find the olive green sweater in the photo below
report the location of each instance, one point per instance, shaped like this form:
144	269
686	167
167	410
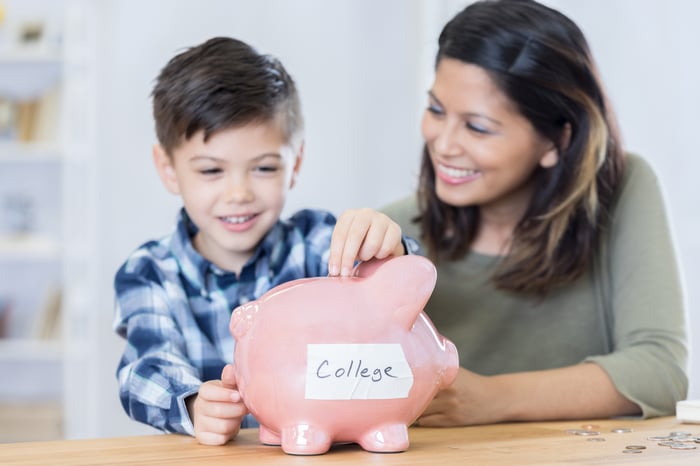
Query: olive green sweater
625	314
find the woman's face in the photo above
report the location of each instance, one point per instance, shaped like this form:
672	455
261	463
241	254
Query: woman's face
483	150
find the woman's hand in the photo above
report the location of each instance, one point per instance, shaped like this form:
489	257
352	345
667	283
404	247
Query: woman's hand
467	401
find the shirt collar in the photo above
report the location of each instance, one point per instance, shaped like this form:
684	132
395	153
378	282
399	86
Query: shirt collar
196	267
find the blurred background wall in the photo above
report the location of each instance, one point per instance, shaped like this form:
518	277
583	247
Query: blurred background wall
363	68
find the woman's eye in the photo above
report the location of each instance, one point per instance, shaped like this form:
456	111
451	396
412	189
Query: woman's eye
478	129
435	110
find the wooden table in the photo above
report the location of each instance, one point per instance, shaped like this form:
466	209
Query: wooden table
532	443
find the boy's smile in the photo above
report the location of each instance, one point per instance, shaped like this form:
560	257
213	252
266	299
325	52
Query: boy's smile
239	223
233	186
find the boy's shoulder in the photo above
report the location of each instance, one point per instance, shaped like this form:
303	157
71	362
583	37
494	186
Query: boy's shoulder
158	257
299	245
150	260
311	229
306	220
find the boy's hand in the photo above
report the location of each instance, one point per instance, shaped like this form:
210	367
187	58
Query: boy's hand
362	234
216	411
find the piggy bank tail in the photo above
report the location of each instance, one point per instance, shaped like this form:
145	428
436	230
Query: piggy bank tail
452	365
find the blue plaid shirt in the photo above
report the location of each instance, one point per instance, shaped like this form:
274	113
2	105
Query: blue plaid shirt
173	307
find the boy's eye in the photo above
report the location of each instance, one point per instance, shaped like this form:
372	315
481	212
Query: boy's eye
210	171
267	169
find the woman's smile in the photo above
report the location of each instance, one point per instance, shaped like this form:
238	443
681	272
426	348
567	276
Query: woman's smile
454	175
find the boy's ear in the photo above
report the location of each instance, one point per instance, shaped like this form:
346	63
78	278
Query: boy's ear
166	171
298	159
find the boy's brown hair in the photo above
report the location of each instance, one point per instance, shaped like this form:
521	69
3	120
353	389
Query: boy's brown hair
223	83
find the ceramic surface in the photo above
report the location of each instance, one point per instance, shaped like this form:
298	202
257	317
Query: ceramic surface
355	359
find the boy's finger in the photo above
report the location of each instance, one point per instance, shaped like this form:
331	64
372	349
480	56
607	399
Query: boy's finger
392	245
213	411
211	438
228	377
215	392
373	240
338	238
356	236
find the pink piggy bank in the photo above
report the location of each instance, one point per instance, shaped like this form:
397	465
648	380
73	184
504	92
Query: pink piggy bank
336	360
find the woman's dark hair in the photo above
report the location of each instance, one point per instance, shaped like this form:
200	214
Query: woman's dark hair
219	84
540	60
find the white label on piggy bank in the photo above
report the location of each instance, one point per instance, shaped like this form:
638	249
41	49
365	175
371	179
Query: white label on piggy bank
357	372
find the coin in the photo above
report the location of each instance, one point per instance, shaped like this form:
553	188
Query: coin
636	447
683	446
621	430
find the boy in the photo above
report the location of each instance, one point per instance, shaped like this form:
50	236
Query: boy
229	127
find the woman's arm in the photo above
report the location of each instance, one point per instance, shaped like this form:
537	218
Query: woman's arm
583	391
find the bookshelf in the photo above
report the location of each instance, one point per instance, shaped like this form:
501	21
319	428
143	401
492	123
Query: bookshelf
32	205
28	153
28	247
27	74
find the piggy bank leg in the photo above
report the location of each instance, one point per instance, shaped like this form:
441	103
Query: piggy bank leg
268	437
387	439
303	439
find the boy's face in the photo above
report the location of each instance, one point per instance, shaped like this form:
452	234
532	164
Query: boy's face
233	187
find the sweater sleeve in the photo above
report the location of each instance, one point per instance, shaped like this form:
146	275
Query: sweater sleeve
648	364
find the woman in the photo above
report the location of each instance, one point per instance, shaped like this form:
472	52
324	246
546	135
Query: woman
557	278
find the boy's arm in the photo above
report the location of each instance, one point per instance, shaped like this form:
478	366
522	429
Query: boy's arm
155	375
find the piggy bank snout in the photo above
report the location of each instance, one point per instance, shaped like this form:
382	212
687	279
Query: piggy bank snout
242	319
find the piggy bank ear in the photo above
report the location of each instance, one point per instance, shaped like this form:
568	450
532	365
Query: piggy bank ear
403	284
242	319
